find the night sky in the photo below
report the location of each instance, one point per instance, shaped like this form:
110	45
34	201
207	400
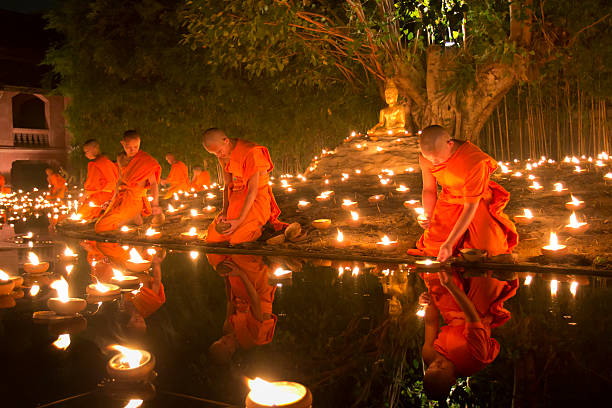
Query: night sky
28	6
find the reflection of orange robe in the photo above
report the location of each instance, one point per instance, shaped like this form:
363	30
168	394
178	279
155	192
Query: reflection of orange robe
469	345
102	176
245	160
131	199
201	180
147	301
57	186
249	331
464	178
178	178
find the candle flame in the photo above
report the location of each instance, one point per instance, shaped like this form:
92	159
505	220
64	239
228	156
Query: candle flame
275	394
355	271
303	203
61	286
100	287
171	208
69	269
386	241
129	357
69	252
124	228
151	231
574	288
573	221
554	243
281	272
421	312
135	256
559	187
118	276
62	342
402	188
354	215
133	403
34	290
192	231
528	280
193	212
554	286
194	255
527	213
340	236
76	217
33	258
575	202
3	275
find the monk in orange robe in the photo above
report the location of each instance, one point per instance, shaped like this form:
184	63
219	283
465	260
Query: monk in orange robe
201	179
248	202
130	203
249	320
102	177
464	345
57	184
2	183
468	213
178	178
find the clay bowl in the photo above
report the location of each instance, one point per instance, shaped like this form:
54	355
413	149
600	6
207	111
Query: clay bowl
276	240
322	223
127	282
42	267
18	281
387	248
576	231
376	198
187	237
120	373
421	266
323	199
412	203
304	402
554	254
137	266
112	290
473	254
573	207
158	219
6	286
72	307
521	219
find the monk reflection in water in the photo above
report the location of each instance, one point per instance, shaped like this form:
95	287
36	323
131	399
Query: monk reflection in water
470	308
468	213
249	321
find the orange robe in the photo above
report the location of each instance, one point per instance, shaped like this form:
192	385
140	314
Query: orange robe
469	345
245	160
131	199
178	178
200	181
57	186
102	177
2	183
248	330
464	178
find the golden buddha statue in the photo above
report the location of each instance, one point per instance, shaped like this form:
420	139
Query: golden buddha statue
392	118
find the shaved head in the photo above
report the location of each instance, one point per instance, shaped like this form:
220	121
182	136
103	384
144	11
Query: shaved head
131	135
436	144
170	158
216	142
91	148
131	143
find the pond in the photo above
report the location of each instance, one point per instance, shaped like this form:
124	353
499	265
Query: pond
349	331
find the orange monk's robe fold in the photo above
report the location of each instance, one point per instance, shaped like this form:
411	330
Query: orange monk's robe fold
469	345
131	199
102	177
464	178
178	178
57	186
201	181
246	159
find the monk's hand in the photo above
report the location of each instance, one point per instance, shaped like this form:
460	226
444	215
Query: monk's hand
424	299
445	252
424	222
446	279
233	226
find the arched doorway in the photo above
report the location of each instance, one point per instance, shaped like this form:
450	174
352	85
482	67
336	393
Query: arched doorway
29	112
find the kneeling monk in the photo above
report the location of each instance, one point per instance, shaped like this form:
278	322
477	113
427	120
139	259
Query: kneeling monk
468	213
102	177
139	174
178	178
57	184
201	178
248	203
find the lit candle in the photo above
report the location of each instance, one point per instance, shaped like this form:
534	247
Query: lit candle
124	280
302	204
528	280
386	244
340	241
124	229
102	289
575	204
428	265
411	203
280	273
62	342
276	394
554	248
402	189
574	226
35	266
6	284
346	203
535	186
130	364
209	209
578	169
324	196
64	304
376	198
189	235
136	263
554	286
559	188
152	233
526	218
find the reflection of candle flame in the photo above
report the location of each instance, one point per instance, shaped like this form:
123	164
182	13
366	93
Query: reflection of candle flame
554	285
69	269
135	256
62	342
528	279
34	290
129	357
527	213
275	394
194	255
133	403
574	288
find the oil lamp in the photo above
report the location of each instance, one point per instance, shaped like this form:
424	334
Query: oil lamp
574	226
554	249
124	280
411	203
322	223
6	284
559	188
190	235
575	204
280	273
535	186
277	394
427	265
35	266
386	244
347	204
303	204
376	198
130	365
324	196
209	209
136	263
102	289
473	254
63	304
125	229
195	215
62	342
68	255
526	218
608	177
402	189
152	233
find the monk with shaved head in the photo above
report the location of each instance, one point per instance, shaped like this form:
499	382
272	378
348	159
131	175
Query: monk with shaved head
57	184
178	178
139	172
468	213
102	177
248	202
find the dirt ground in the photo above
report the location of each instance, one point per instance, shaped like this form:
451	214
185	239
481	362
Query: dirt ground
390	217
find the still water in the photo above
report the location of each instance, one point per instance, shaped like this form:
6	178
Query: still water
348	331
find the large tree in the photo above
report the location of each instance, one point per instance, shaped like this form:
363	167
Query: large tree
452	60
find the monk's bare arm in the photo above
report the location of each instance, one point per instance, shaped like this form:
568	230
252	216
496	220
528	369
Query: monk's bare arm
466	305
252	187
227	179
431	319
154	190
467	215
255	303
429	196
